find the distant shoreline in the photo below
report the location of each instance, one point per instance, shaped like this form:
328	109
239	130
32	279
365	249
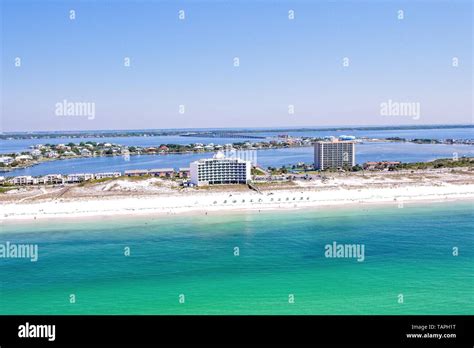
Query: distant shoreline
232	130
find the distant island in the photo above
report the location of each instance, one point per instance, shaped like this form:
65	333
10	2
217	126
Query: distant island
41	153
211	133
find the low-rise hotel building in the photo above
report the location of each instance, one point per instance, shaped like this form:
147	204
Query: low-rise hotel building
184	172
334	154
52	179
383	165
136	172
162	172
75	178
24	180
220	170
107	175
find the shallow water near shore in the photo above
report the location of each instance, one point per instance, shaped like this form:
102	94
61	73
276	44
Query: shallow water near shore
407	251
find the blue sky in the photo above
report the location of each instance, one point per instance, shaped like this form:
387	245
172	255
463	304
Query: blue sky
282	62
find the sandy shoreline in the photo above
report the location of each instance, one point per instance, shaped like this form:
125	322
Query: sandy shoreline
212	202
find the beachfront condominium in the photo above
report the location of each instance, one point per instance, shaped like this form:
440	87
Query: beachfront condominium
334	153
220	170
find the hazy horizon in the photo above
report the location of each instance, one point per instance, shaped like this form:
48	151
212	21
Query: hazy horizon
425	126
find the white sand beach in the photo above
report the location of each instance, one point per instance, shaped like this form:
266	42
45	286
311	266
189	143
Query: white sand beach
156	196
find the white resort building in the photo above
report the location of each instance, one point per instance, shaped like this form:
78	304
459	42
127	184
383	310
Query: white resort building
220	170
334	154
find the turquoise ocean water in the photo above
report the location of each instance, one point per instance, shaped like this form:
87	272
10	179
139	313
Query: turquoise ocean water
408	251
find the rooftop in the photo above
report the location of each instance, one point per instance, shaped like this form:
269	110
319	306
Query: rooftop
162	170
135	171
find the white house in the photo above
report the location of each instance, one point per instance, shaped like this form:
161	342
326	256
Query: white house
35	153
86	153
52	154
6	160
22	158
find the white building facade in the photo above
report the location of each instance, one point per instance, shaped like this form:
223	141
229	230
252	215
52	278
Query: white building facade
75	178
107	175
334	154
52	179
220	170
24	180
6	160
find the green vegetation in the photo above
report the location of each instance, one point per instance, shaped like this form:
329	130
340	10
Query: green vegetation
6	188
440	163
176	148
151	133
356	168
395	139
278	171
425	141
257	171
